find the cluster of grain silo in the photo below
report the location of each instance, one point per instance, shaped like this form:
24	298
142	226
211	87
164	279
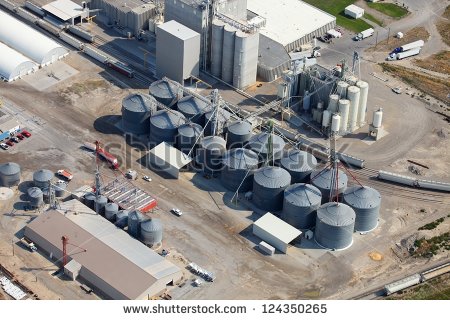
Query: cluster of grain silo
299	164
137	108
238	167
234	54
238	133
165	92
216	121
9	174
300	204
188	137
269	184
193	109
210	153
164	126
259	144
323	180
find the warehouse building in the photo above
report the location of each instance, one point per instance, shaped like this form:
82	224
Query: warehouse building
100	254
167	159
29	42
13	64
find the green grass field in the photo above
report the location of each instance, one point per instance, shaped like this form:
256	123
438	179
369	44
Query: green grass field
370	17
389	9
336	8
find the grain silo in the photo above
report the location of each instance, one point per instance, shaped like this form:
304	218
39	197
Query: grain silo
111	210
238	133
165	92
136	111
36	197
333	103
245	63
60	189
344	110
353	95
219	117
334	226
258	143
210	154
99	204
122	219
164	126
365	201
89	200
300	204
41	178
189	136
193	109
269	184
238	167
216	47
228	53
9	174
364	87
322	180
299	164
151	232
135	219
342	89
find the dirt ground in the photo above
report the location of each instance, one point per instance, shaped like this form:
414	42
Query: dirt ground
439	62
418	33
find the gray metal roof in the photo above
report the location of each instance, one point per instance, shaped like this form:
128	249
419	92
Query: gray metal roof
336	214
9	168
240	158
139	102
163	89
272	177
213	143
240	127
34	192
177	29
151	225
190	130
136	215
362	197
298	160
167	120
272	54
222	115
322	178
277	228
43	175
302	195
192	106
258	143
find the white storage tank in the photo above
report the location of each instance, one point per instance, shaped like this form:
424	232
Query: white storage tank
228	53
326	119
300	204
342	89
135	219
189	137
122	219
335	123
216	47
333	103
364	87
344	110
245	59
377	118
210	154
353	94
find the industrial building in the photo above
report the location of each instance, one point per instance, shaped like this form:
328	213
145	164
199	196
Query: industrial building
14	65
177	51
166	158
8	126
104	256
354	12
66	11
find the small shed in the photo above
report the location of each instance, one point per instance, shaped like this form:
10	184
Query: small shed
66	10
354	12
72	269
275	231
167	159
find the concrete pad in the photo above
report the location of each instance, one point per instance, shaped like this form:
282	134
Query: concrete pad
48	76
5	194
369	140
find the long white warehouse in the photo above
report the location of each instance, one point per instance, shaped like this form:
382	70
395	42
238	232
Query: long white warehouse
28	41
13	64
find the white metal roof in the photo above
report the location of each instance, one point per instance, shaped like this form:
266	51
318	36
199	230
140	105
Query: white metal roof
288	20
28	41
277	227
13	63
171	155
178	30
354	9
64	9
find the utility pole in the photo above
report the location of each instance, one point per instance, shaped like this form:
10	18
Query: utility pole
376	39
389	34
12	245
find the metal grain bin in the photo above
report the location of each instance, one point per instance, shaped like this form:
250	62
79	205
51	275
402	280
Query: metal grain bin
111	210
36	197
189	136
210	154
366	203
258	143
100	203
268	187
42	177
213	117
135	219
89	200
238	168
165	92
193	109
151	232
299	164
321	179
238	133
164	126
334	226
60	189
300	205
122	219
9	174
136	111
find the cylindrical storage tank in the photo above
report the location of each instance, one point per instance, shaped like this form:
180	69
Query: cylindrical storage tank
322	179
344	109
299	164
245	59
335	123
352	80
122	219
164	126
9	174
36	197
134	223
48	193
193	109
333	103
366	202
238	168
334	226
353	94
216	47
42	177
258	143
60	189
210	154
189	137
151	232
228	53
306	101
238	133
378	118
89	200
326	119
362	109
300	204
342	89
111	210
100	203
136	111
269	184
223	116
165	92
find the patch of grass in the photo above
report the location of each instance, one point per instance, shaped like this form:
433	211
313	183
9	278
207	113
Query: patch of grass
336	8
437	88
432	225
444	26
390	9
370	17
430	247
439	62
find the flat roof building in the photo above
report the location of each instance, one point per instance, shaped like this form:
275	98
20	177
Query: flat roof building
65	10
167	159
107	258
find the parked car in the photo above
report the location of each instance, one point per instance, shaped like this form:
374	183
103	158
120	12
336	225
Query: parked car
397	90
4	146
10	143
26	133
14	139
20	136
176	212
147	178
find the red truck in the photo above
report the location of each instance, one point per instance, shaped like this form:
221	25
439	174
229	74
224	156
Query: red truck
108	157
66	174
